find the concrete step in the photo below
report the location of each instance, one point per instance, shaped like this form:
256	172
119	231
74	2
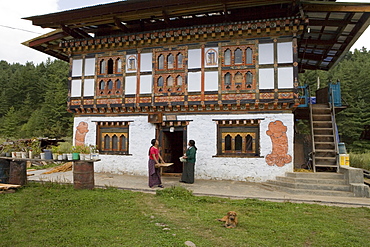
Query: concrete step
309	183
311	180
311	186
311	192
315	175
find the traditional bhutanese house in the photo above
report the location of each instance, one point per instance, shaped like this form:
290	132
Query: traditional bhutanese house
223	73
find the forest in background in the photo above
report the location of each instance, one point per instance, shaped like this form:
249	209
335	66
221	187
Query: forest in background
33	98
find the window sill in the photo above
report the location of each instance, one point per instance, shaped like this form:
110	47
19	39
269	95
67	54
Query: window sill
236	156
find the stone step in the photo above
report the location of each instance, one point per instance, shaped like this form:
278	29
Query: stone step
311	180
321	175
309	186
311	192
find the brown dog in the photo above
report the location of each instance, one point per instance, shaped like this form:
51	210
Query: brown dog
231	220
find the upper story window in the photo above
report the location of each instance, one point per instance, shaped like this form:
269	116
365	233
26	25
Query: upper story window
110	65
169	60
238	80
238	55
108	86
169	83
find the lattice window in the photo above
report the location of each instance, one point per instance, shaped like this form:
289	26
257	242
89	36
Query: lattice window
238	137
110	65
169	83
238	80
238	55
108	86
113	137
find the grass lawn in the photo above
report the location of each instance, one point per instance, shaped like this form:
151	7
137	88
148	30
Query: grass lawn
50	214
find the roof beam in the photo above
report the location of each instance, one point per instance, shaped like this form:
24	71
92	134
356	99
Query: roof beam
73	33
120	25
336	7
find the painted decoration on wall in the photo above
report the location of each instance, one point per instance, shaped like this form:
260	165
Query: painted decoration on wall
81	131
279	155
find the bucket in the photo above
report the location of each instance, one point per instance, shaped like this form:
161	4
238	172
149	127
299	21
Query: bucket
342	148
344	159
75	156
83	175
18	172
4	171
48	154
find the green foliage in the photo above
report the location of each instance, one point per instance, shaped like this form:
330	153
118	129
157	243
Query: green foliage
360	160
50	214
33	100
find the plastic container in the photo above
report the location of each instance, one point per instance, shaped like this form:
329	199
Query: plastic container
344	159
342	148
48	154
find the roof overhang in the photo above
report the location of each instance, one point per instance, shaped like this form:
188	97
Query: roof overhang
330	30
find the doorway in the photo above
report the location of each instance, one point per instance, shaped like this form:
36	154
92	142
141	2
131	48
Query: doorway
173	143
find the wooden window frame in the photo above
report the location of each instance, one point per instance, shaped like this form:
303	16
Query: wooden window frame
238	86
175	88
233	129
111	130
106	91
103	69
243	49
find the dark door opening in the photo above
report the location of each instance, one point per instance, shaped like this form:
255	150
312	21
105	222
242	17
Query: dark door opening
172	148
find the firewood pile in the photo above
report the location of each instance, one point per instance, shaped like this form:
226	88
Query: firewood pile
62	168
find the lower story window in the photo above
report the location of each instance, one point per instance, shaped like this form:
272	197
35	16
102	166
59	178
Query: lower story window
238	137
113	137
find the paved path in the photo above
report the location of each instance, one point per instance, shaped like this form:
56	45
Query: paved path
228	189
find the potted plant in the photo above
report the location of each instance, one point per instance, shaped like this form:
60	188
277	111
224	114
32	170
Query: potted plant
84	152
65	148
55	151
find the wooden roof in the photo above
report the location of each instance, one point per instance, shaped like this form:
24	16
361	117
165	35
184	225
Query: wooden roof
329	33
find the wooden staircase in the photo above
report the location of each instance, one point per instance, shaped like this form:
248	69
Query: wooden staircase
324	144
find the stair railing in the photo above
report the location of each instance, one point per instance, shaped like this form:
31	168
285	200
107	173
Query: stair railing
312	132
335	130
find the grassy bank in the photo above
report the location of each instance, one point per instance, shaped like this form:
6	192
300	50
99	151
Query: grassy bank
360	160
57	215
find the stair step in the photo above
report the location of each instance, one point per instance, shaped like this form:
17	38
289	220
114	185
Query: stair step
325	158
324	150
311	192
332	187
321	175
323	165
312	180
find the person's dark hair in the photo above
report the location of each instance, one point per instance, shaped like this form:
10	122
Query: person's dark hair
192	143
153	143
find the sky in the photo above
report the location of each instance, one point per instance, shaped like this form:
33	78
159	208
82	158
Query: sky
14	30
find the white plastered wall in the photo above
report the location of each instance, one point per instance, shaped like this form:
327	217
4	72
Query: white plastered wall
203	130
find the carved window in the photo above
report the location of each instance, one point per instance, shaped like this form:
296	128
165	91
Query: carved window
238	138
227	80
249	56
170	83
110	65
179	61
113	137
109	86
227	57
102	67
249	80
170	61
119	65
238	80
238	55
161	62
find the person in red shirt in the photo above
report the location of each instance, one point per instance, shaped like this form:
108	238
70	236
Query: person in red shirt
154	159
